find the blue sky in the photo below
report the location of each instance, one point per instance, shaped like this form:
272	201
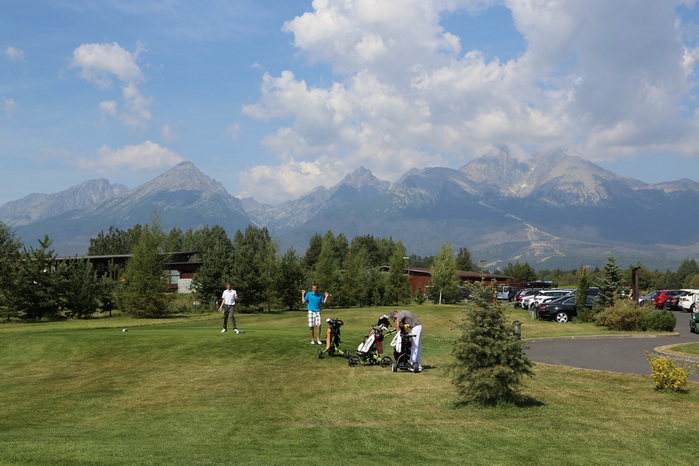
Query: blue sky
275	97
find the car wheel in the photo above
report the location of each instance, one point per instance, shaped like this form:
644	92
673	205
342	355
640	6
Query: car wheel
562	317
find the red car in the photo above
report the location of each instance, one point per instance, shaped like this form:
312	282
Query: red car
661	297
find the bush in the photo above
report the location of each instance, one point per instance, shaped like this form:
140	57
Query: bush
667	375
622	315
659	321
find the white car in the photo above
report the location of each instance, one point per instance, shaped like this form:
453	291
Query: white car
688	300
547	295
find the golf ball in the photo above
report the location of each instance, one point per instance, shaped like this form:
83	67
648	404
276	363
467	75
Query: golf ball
125	330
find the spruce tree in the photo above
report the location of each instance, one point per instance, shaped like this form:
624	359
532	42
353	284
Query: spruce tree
9	263
610	285
82	296
217	258
36	292
290	280
143	289
489	362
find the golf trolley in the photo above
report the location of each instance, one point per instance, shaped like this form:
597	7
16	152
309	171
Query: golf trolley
402	344
370	350
335	341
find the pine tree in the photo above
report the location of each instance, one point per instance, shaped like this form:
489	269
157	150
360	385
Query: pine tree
251	270
610	285
444	283
463	260
397	285
82	292
326	273
217	259
36	290
490	364
582	312
290	280
143	290
9	263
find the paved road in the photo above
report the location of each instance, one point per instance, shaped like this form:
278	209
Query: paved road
625	355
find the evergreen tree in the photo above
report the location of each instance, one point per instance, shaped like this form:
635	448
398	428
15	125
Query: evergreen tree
490	364
251	272
290	280
463	260
36	291
581	295
686	271
610	285
9	263
354	288
82	292
217	260
397	285
313	252
520	272
444	283
143	290
326	273
174	241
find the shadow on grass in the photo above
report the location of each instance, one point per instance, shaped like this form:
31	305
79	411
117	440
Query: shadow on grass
522	401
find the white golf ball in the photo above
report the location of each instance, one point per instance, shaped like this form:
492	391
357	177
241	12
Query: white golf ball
125	330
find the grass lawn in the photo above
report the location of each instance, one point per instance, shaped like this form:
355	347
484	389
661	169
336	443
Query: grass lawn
689	349
177	391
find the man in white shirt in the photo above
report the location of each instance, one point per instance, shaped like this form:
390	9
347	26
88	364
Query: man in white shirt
228	306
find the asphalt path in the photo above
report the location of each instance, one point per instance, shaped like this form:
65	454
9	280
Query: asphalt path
626	355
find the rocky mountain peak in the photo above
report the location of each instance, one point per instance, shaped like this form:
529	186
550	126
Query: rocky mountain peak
182	177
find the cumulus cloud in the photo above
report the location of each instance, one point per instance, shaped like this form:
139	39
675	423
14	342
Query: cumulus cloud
143	157
604	78
14	53
105	64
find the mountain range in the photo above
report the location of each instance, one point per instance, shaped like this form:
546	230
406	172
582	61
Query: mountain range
554	210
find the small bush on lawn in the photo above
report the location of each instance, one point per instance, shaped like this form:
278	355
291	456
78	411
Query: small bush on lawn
659	321
622	315
667	375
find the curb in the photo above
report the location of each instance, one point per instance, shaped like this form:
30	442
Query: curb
677	357
601	337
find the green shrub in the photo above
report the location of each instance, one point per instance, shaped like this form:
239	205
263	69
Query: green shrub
659	321
622	315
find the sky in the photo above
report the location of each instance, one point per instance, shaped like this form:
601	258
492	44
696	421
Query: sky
275	97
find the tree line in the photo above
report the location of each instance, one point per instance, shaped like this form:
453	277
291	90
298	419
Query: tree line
34	284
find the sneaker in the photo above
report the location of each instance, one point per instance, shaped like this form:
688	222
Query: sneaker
236	331
318	342
313	342
223	331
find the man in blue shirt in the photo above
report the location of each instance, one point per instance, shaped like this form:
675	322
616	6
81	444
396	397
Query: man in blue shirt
314	299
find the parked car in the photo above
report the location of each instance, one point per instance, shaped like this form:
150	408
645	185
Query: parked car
519	297
661	297
561	309
694	321
507	292
648	298
688	301
672	303
547	295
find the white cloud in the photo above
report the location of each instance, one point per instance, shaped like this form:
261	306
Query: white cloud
605	78
143	157
14	53
10	107
101	64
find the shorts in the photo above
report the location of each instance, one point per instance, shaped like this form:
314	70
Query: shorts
313	318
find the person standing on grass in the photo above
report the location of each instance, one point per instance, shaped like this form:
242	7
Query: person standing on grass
408	320
227	307
313	299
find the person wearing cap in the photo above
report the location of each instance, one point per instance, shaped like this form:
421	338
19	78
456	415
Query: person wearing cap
403	318
313	299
